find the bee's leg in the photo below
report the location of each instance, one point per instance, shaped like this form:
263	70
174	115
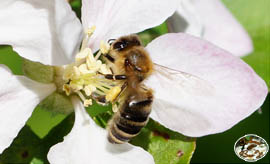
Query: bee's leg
109	57
114	77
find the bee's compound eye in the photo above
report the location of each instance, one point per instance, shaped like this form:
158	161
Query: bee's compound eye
110	41
119	45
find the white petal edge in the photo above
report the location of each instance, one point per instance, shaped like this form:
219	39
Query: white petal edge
218	25
186	19
45	31
228	90
18	98
87	144
115	18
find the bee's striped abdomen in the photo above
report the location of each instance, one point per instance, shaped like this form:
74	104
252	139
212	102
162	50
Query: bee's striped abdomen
129	121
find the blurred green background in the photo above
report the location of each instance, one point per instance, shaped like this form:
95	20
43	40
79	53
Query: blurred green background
255	17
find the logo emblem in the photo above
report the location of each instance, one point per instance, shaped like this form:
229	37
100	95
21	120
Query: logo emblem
251	148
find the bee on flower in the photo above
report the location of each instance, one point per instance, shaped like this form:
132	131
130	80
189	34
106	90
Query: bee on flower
199	88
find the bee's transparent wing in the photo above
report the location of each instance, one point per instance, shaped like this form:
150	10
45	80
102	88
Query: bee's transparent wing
184	81
175	96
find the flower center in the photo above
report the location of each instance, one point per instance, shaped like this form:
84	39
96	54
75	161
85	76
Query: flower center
85	77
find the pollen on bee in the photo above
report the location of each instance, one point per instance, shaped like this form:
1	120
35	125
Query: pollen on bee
113	93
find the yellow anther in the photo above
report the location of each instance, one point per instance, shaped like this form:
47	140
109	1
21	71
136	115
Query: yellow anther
90	31
113	93
92	64
87	102
89	89
104	69
68	73
67	89
76	71
83	54
76	86
104	47
83	69
90	59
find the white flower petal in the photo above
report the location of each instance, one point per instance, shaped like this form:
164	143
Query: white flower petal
186	19
219	25
18	98
45	31
217	91
114	18
87	144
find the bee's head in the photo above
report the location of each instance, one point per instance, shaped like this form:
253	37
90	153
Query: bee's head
126	42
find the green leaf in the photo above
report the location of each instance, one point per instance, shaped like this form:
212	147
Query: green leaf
36	161
254	16
42	121
57	134
148	35
166	146
27	147
76	7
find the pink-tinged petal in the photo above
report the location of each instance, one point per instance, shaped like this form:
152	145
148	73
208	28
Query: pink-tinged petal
206	91
114	18
87	143
219	26
45	31
18	98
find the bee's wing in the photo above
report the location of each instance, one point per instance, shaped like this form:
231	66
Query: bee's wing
175	96
185	82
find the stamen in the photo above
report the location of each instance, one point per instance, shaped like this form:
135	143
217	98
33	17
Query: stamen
83	69
90	31
104	47
76	71
89	89
104	69
98	55
83	54
67	89
81	96
87	102
84	76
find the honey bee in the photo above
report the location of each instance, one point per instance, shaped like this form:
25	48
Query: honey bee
132	64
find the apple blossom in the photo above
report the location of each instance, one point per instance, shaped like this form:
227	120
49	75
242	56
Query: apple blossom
212	21
208	90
